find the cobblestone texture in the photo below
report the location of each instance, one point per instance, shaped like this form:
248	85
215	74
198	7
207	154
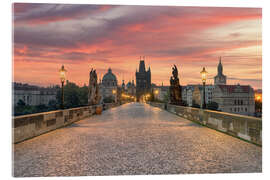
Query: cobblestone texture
134	139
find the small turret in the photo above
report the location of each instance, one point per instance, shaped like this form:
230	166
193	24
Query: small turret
220	68
123	84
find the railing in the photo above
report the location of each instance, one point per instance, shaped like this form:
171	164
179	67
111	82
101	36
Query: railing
245	127
29	126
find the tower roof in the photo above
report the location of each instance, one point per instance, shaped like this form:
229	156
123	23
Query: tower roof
220	67
142	66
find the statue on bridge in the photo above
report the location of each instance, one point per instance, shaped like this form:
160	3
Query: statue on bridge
175	88
93	89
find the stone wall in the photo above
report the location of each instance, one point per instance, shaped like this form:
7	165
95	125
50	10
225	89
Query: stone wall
245	127
29	126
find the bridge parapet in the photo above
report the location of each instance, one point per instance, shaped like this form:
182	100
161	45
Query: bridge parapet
245	127
29	126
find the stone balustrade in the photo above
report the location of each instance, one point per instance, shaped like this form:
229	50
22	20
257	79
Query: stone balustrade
29	126
245	127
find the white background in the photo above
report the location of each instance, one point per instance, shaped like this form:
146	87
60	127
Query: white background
6	79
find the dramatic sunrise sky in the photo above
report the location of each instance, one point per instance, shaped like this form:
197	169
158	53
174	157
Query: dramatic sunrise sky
90	36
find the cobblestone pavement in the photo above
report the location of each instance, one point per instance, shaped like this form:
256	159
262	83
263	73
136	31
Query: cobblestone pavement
134	139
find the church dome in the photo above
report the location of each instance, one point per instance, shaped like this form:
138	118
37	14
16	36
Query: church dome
109	79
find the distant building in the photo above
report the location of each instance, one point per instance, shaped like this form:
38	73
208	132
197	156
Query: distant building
184	93
33	95
235	99
188	93
123	87
143	80
197	94
108	86
162	93
220	78
131	88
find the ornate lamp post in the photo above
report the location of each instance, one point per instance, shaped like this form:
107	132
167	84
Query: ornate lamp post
62	78
114	93
156	93
147	97
204	76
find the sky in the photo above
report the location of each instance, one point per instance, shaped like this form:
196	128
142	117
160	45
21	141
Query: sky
81	37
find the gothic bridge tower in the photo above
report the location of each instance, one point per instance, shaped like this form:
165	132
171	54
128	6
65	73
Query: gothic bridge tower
143	80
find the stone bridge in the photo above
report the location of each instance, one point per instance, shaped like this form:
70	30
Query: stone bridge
134	139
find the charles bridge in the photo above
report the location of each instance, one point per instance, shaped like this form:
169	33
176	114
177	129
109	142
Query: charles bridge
135	138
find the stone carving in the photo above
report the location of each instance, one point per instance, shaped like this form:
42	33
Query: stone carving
175	88
93	89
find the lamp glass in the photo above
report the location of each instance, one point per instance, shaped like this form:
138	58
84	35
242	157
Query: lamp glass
204	75
62	74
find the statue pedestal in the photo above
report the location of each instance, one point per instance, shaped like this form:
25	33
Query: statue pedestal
98	110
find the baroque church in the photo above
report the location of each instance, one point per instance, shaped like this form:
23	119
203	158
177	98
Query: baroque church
143	80
108	87
111	91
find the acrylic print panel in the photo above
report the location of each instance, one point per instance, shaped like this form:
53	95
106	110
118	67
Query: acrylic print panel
136	90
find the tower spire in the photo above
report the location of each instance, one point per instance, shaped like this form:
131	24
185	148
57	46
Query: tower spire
142	66
220	68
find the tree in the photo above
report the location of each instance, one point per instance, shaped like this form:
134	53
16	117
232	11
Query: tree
40	108
52	105
109	99
83	95
71	95
212	106
20	103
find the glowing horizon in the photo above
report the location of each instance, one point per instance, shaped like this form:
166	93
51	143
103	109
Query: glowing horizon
82	37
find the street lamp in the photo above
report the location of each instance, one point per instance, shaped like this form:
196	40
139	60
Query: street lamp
156	93
62	72
114	93
204	76
258	97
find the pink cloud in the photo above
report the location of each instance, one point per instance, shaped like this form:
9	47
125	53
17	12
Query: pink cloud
170	37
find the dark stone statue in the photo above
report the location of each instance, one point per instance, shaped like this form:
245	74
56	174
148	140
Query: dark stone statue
175	88
93	89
